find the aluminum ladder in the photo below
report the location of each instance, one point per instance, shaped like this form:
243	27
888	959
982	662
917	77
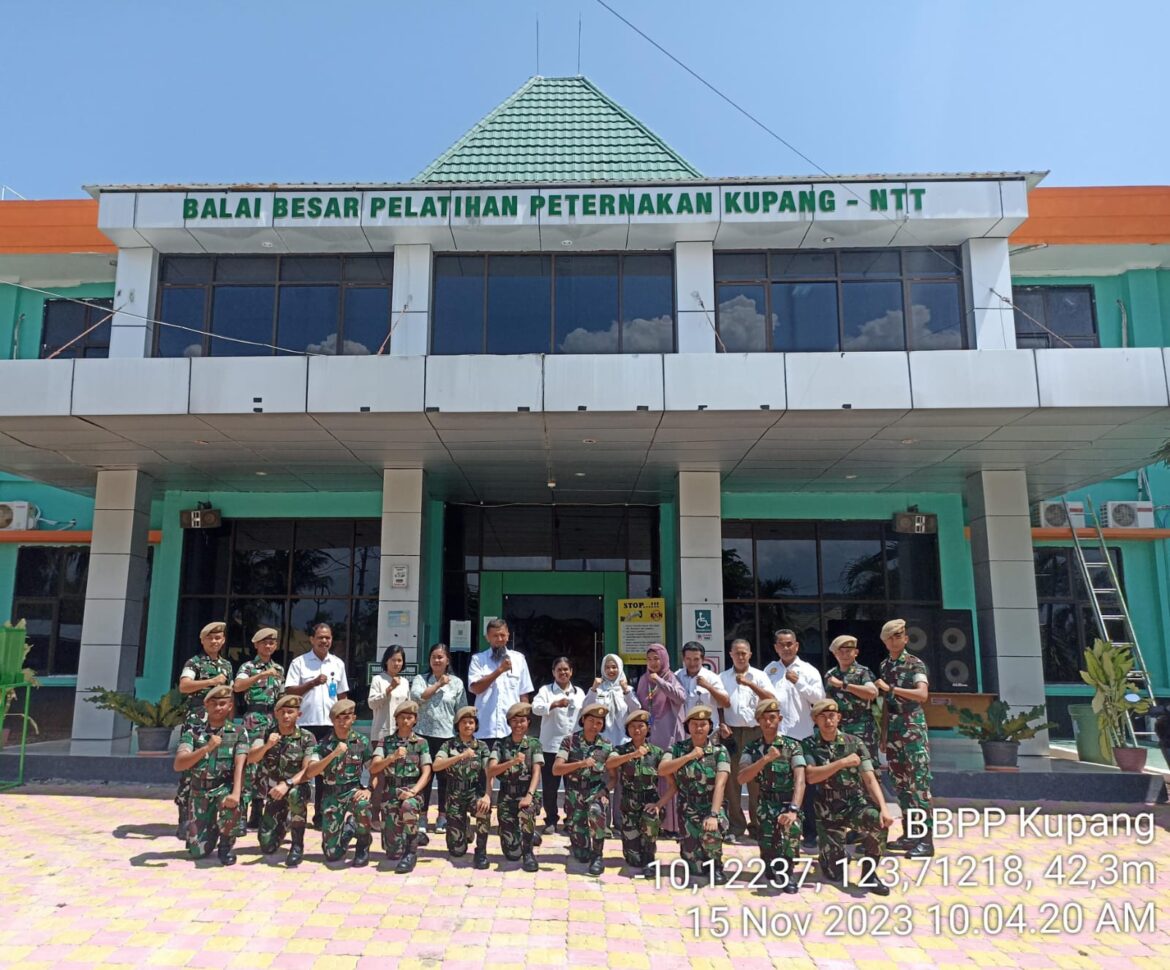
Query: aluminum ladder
1109	607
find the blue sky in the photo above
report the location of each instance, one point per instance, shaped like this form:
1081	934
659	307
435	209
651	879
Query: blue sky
212	91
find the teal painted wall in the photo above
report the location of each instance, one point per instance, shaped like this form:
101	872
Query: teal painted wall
22	314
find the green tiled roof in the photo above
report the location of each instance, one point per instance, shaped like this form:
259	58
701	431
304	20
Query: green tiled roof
558	129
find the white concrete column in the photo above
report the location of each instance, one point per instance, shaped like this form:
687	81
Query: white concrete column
694	273
991	323
114	593
400	606
1005	591
700	546
411	289
135	289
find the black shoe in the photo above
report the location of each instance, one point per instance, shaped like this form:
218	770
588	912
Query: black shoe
407	862
720	877
537	838
528	862
181	828
225	853
921	850
790	886
898	845
481	860
296	851
874	885
361	852
422	839
348	834
595	859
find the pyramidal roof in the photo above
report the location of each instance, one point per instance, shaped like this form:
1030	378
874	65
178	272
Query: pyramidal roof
558	129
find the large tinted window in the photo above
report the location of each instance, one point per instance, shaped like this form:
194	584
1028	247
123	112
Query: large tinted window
76	328
885	299
239	306
1067	621
1055	316
522	304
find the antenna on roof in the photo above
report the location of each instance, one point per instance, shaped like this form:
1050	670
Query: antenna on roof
538	45
578	43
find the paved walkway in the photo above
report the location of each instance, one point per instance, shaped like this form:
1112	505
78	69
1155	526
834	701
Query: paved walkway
95	878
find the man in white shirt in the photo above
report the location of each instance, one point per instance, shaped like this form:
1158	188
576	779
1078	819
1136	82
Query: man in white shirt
745	686
702	686
498	677
318	679
807	689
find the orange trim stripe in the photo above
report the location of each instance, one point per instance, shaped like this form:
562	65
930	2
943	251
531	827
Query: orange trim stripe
1106	215
73	537
54	227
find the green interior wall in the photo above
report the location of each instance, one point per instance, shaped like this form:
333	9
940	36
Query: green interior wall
1145	294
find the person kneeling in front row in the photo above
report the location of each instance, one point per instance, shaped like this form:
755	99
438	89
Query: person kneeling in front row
345	804
582	762
464	760
516	761
636	765
406	760
281	751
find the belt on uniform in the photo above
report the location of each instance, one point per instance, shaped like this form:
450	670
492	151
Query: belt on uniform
514	790
203	784
782	792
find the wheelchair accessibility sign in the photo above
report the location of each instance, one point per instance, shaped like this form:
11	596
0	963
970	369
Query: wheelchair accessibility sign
703	625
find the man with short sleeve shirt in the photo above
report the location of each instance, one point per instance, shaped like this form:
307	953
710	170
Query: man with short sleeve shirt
701	686
498	677
318	678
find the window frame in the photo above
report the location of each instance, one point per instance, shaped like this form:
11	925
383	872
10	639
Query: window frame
905	277
1065	341
96	308
1077	599
54	600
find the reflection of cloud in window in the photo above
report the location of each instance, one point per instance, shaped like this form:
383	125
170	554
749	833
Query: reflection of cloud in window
740	323
329	346
886	331
643	336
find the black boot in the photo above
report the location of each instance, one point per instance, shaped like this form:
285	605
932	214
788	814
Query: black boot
480	861
898	845
225	853
407	862
527	859
296	851
596	863
181	828
922	849
361	851
254	814
348	833
537	838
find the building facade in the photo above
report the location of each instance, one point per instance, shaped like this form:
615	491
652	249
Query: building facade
559	369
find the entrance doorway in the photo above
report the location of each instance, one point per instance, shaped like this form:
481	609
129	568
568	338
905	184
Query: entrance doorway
545	627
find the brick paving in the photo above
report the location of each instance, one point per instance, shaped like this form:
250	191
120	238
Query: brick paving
94	878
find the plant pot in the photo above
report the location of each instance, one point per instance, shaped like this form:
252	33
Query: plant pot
1000	754
1130	759
153	740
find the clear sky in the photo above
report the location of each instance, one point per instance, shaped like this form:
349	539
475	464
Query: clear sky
130	91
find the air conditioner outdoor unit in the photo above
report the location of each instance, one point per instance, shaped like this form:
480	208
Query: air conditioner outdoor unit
18	516
1128	515
1051	515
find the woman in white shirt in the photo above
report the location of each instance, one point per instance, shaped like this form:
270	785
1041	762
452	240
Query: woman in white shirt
439	694
613	690
387	691
557	705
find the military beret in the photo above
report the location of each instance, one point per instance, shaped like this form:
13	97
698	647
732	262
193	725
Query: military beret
342	707
637	716
407	707
264	633
287	700
700	712
216	626
842	641
217	692
519	709
893	626
468	711
594	710
767	707
826	705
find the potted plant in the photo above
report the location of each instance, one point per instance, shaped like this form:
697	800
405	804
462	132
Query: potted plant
14	648
999	732
154	721
1108	667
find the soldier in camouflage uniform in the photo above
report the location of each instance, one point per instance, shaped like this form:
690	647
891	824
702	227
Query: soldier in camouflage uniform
339	760
849	797
465	759
199	675
700	768
776	763
516	761
906	686
581	760
261	682
404	761
212	753
635	763
852	686
280	752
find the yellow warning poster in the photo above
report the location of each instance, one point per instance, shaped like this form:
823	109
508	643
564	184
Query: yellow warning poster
640	623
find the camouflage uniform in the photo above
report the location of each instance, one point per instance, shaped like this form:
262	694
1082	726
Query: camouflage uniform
856	712
342	779
210	782
517	824
258	703
203	668
279	764
842	803
777	786
585	813
465	786
400	816
907	743
696	786
639	789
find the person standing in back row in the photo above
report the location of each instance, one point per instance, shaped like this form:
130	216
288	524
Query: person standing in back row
318	678
499	679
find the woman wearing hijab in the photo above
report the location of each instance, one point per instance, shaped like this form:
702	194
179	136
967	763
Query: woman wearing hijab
662	696
613	691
